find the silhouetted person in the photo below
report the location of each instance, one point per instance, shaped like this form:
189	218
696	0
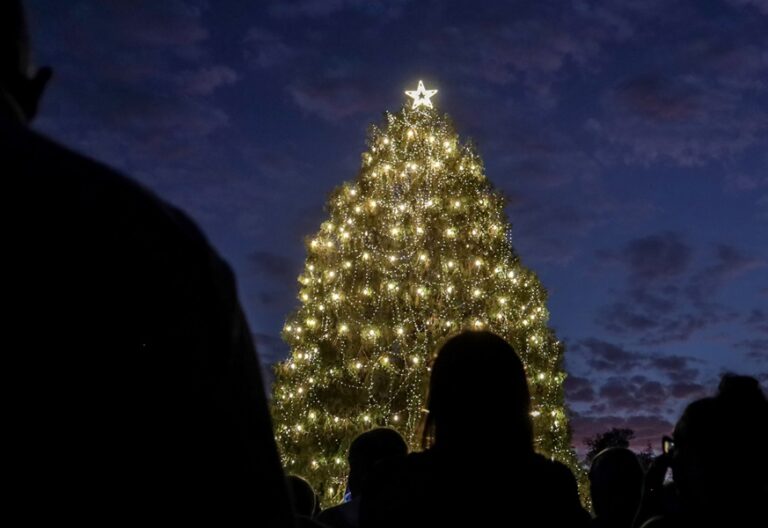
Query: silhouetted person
367	450
615	484
719	461
136	390
304	498
479	468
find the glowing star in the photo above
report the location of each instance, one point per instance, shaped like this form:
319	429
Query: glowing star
421	96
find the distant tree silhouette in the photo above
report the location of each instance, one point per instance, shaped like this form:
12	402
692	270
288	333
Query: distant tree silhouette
615	437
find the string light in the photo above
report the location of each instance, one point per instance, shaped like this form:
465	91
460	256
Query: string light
398	265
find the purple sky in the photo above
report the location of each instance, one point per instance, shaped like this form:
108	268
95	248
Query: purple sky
630	135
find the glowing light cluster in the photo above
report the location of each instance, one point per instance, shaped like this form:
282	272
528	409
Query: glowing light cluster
414	249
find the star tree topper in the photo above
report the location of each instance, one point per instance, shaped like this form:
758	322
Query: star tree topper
421	96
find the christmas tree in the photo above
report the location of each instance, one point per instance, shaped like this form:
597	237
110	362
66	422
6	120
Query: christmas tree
415	249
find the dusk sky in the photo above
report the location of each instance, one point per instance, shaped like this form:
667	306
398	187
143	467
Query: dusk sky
631	137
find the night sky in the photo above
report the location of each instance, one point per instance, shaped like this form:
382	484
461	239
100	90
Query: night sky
631	137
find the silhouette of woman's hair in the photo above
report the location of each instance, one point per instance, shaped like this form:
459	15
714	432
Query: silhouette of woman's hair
740	389
478	380
720	465
369	448
738	411
304	498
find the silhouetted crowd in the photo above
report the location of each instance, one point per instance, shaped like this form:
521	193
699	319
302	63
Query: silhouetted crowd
136	395
481	470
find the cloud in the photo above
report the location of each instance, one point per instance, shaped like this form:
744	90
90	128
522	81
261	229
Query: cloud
637	319
685	120
635	393
629	388
676	368
604	356
729	264
667	298
654	257
700	105
746	181
271	348
757	319
133	90
526	49
544	230
205	80
607	357
555	228
264	48
333	97
274	266
760	5
656	98
732	262
541	155
172	26
579	389
756	349
387	9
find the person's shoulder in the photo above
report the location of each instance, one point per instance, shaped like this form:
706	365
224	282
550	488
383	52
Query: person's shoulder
341	515
553	475
105	197
391	473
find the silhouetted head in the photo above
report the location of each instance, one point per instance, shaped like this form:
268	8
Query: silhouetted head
719	461
304	498
20	87
478	384
368	449
615	484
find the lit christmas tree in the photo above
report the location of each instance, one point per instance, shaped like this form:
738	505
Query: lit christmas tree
415	249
